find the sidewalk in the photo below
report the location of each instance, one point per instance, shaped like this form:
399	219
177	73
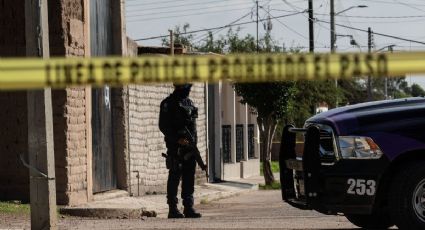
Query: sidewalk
155	205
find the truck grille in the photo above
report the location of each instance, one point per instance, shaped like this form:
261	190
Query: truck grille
327	143
327	150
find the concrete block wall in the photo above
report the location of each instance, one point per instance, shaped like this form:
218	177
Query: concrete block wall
147	142
14	177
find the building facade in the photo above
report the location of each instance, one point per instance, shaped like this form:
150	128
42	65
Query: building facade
233	135
107	139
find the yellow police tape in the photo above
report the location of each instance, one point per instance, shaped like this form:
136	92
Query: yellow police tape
66	72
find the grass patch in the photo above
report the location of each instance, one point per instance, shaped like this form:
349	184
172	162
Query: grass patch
273	186
14	207
204	201
273	164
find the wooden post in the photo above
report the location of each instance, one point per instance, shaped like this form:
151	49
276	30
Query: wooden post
40	124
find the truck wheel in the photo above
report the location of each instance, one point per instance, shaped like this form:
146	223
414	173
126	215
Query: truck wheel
372	221
407	197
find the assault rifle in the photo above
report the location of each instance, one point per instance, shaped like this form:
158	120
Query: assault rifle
191	150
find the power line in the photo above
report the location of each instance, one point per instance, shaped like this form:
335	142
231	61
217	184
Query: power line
200	38
382	17
320	28
387	22
360	16
186	4
391	3
152	3
286	26
295	8
409	5
185	10
380	34
214	28
184	15
156	2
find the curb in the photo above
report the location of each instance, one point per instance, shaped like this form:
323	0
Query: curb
203	193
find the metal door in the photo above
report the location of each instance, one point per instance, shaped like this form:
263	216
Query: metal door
104	177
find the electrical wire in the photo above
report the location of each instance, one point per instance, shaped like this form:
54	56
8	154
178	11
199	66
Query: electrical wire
185	10
214	28
185	15
356	35
305	11
392	3
380	34
153	3
189	4
320	28
382	17
202	37
387	22
286	26
408	5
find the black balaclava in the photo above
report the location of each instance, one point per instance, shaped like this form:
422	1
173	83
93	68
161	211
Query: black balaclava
182	90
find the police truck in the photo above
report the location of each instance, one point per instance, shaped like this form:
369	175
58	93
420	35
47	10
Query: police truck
365	161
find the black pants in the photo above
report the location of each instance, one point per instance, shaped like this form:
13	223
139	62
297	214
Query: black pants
187	173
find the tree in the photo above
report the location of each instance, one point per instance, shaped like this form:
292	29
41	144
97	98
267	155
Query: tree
270	100
417	90
180	36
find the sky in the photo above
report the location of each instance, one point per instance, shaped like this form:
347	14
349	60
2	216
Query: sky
399	18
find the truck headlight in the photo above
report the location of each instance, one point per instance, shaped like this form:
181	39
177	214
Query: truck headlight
353	147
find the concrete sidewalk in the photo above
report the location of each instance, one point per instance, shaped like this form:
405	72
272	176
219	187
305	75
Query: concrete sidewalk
125	206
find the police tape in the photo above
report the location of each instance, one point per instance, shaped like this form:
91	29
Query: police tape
114	71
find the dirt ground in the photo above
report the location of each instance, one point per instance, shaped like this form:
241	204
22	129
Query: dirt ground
253	210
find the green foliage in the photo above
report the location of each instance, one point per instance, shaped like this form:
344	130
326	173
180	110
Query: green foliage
267	98
179	36
417	90
211	45
274	165
274	186
308	95
14	208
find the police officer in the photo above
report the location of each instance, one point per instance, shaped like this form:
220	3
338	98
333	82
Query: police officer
177	122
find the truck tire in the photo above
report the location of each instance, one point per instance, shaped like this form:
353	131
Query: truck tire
372	221
407	197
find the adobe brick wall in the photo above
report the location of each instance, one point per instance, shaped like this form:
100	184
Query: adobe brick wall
14	177
147	142
70	145
66	30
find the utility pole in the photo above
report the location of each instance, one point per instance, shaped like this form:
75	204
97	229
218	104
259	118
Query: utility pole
311	25
258	48
332	13
390	49
40	124
369	78
171	42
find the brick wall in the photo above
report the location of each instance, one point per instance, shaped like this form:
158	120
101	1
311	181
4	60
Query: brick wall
66	30
14	177
147	142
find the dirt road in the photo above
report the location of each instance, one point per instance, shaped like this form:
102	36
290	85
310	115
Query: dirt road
255	210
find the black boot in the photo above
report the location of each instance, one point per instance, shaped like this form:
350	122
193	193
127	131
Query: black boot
190	212
174	212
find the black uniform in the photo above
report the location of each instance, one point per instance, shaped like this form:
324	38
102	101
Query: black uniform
177	120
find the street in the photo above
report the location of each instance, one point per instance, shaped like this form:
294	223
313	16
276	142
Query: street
256	209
